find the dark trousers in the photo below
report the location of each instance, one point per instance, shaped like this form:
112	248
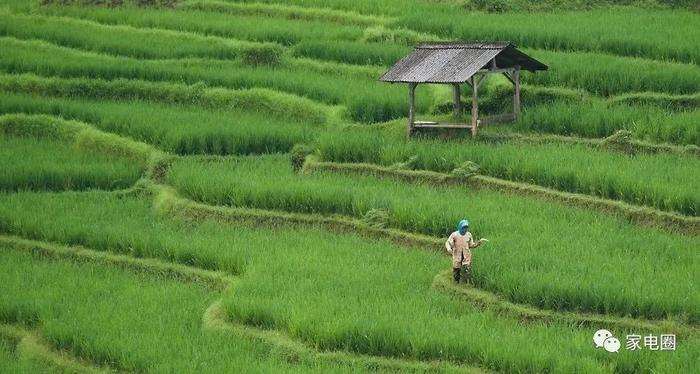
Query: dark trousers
463	273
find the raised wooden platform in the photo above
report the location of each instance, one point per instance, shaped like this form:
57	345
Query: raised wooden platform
441	125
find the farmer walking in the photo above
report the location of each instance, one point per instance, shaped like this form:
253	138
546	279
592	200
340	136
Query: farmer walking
459	244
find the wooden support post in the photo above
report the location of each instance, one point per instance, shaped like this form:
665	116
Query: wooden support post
475	107
411	108
516	93
456	97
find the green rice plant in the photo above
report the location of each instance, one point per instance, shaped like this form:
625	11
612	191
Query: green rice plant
133	42
39	164
597	73
681	127
386	101
599	119
334	68
364	7
177	129
593	119
400	36
352	52
664	181
123	221
658	34
112	3
275	104
41	152
502	6
610	75
82	135
127	331
671	103
329	291
292	12
252	28
270	183
565	111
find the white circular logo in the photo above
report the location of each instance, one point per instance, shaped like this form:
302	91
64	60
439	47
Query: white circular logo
600	336
611	344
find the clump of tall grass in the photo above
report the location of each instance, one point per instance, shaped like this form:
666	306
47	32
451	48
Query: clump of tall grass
298	154
668	184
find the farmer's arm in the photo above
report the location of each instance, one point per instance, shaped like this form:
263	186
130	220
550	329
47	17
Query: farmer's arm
449	244
473	243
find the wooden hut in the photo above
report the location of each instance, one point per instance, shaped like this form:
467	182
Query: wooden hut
461	62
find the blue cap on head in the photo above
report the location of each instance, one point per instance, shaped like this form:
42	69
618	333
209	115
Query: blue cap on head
462	224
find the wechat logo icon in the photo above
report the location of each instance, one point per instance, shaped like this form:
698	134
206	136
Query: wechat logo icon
605	339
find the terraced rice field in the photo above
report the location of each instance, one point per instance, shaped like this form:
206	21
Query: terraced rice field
224	186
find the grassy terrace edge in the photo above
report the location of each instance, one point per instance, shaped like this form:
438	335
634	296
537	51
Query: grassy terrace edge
635	214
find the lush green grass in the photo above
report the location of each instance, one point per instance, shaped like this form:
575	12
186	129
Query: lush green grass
362	7
45	164
262	101
330	299
83	136
550	5
654	117
11	363
598	73
679	127
609	75
668	182
146	323
232	78
367	101
181	129
658	34
133	42
595	118
360	53
284	11
252	28
127	226
268	182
